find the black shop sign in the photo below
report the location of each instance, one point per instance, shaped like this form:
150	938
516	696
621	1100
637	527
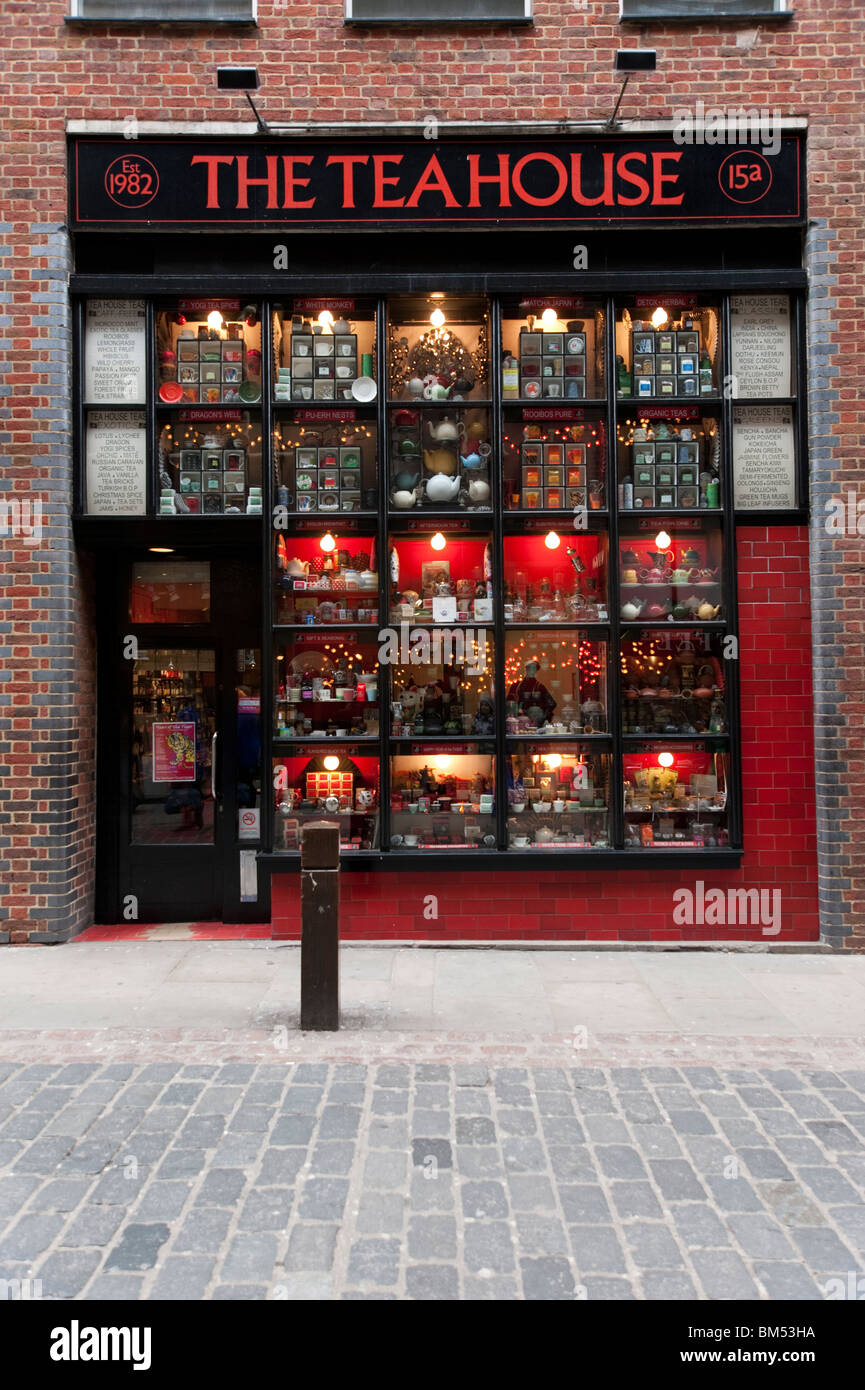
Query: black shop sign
249	184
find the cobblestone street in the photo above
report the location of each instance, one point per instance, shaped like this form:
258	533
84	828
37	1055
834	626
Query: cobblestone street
268	1180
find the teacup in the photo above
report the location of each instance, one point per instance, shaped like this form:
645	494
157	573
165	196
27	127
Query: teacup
558	805
520	841
412	806
518	806
410	841
538	807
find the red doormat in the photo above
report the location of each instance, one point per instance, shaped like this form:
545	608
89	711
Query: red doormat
178	931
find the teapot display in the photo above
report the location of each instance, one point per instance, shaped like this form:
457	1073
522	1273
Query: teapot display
631	611
297	569
405	481
441	488
479	490
404	498
446	429
440	461
708	611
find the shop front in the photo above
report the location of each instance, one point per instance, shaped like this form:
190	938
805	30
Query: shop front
455	493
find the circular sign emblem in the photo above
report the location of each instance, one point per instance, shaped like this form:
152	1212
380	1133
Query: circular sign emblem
131	181
745	176
248	818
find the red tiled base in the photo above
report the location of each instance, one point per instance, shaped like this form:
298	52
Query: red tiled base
196	931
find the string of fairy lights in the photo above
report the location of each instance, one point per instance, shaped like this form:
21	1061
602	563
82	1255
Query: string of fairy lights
555	655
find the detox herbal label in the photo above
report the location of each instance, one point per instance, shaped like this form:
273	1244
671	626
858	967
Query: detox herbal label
116	462
764	458
115	352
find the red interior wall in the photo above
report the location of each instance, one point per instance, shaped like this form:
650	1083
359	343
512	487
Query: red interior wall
637	904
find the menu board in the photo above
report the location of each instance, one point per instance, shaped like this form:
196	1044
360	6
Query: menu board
764	458
760	344
115	351
116	462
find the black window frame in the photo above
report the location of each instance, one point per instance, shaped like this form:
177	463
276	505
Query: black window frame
508	14
715	11
199	21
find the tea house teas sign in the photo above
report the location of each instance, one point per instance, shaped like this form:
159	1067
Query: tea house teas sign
116	455
764	458
114	352
760	343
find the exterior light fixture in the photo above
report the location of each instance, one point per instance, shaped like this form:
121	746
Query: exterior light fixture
629	60
241	79
327	543
552	540
438	541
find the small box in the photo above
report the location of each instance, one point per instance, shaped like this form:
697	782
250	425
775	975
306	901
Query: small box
575	476
688	475
349	456
575	367
328	480
575	344
687	340
234	459
553	344
347	478
211	460
232	352
349	500
531	344
345	370
211	483
530	389
553	455
306	458
210	373
575	455
665	364
643	454
193	502
190	458
575	388
305	481
665	475
643	342
190	482
666	386
191	394
665	342
322	391
575	497
665	452
530	368
553	477
554	498
687	365
646	386
687	386
644	497
324	371
688	453
688	497
322	347
328	456
230	393
301	345
532	453
345	345
210	350
212	393
553	367
532	499
532	475
301	369
301	391
644	366
212	505
644	474
234	484
187	350
665	496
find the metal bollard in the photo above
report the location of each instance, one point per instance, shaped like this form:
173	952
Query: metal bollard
319	942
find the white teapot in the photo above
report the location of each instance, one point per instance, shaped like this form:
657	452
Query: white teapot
297	569
446	429
441	488
403	498
479	490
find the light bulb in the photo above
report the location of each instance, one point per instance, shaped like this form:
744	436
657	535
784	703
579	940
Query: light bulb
549	318
660	317
662	541
665	759
438	541
437	318
327	543
331	762
215	319
552	540
325	318
442	761
554	760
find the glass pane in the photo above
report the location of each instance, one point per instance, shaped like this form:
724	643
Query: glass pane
548	583
552	349
438	348
321	587
440	460
443	799
670	460
555	681
209	466
442	683
208	352
173	722
442	576
551	465
668	346
340	786
248	697
558	797
170	591
327	685
673	682
325	351
670	570
327	466
676	796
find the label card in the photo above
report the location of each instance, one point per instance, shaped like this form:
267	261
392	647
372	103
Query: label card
116	462
764	458
115	351
760	345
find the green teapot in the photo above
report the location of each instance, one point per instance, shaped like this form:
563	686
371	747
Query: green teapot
404	482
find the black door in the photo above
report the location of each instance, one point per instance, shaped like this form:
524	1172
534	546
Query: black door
180	742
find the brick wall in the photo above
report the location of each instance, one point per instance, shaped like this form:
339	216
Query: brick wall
313	68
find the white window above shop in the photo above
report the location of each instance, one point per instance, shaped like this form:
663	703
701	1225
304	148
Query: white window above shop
705	9
438	11
163	11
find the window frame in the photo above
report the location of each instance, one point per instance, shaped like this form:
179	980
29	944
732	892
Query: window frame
681	11
78	16
438	21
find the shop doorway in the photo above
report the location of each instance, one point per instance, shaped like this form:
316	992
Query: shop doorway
179	737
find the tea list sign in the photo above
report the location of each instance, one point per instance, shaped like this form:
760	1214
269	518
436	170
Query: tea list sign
114	351
760	344
116	454
764	458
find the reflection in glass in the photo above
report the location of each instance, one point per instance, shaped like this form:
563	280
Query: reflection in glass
558	797
170	591
555	682
340	786
443	800
676	796
173	722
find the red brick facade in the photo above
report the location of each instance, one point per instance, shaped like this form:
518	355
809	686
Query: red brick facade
314	68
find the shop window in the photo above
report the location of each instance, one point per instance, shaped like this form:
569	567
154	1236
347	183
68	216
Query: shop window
705	9
555	577
438	349
668	348
438	11
670	571
443	799
555	682
441	576
551	465
670	459
442	686
170	591
552	349
325	578
676	796
325	352
164	11
673	683
174	699
327	686
558	797
209	466
325	466
339	786
440	460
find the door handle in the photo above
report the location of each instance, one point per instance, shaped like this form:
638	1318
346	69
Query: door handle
213	767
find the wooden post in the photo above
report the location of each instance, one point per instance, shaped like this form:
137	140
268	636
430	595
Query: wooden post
319	943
